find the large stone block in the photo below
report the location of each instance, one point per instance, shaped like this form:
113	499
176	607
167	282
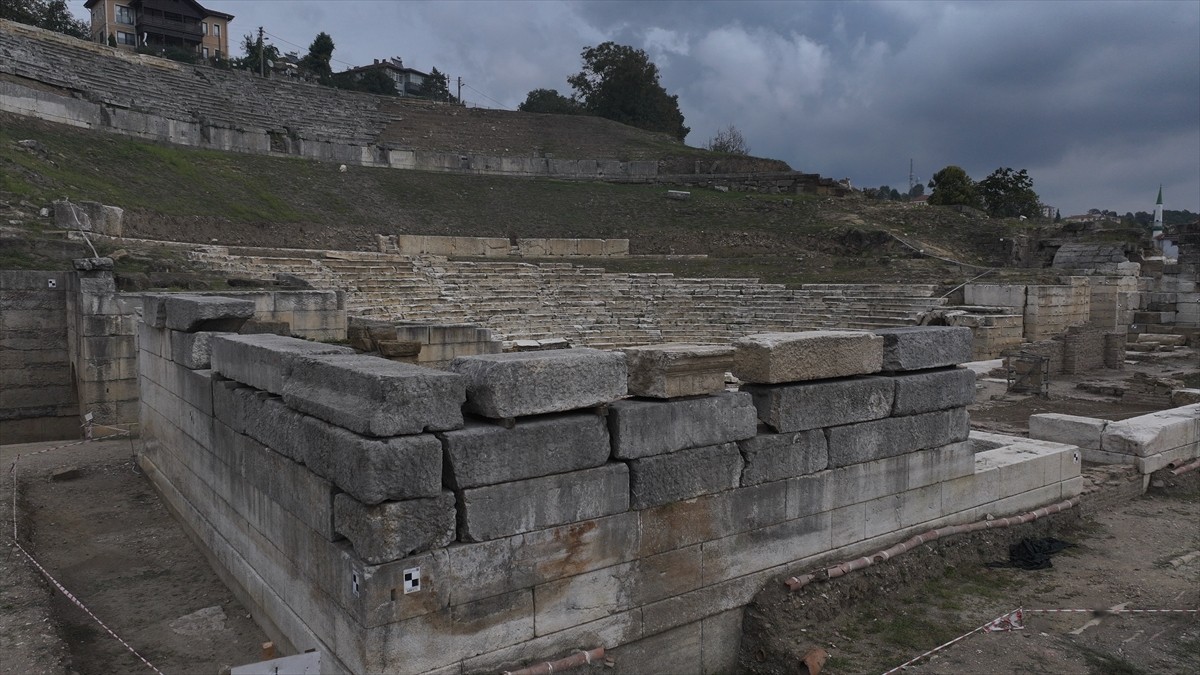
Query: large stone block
262	361
532	383
921	347
1084	432
893	436
936	390
772	358
371	469
487	454
521	506
812	405
375	396
673	370
191	313
643	428
676	476
192	350
769	457
389	531
1154	433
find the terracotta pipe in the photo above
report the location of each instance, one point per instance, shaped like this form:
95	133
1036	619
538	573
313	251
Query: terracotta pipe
579	658
799	582
1177	470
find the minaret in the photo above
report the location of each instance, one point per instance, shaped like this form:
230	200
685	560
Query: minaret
1156	229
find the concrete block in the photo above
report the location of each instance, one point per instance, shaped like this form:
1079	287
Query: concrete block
772	358
1084	432
192	350
660	479
893	436
523	506
644	428
691	521
936	390
261	361
812	405
770	457
673	370
372	470
487	454
191	313
392	530
1152	434
374	396
532	383
922	347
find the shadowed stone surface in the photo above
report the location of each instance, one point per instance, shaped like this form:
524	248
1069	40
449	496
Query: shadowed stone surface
673	477
643	428
921	347
532	383
372	469
674	370
893	436
192	350
772	358
812	405
770	457
262	361
938	390
487	454
190	313
392	530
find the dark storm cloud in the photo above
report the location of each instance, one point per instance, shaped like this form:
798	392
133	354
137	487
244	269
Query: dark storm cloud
1100	101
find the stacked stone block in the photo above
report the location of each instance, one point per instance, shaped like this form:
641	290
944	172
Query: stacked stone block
100	333
37	400
1149	442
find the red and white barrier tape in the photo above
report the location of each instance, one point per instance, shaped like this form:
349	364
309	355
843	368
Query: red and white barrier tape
1110	611
44	572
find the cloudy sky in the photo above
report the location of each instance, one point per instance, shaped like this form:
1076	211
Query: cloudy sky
1100	101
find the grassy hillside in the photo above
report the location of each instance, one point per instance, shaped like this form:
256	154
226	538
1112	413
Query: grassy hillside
196	195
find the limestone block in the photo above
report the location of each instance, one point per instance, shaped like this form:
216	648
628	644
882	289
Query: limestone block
770	457
771	358
374	396
487	454
532	383
922	347
812	405
685	474
392	530
643	428
1153	433
673	370
191	313
1084	432
757	550
192	350
371	469
893	436
692	521
262	361
270	422
227	407
522	506
937	390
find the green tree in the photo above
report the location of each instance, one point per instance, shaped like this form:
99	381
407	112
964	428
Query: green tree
49	14
436	87
953	187
1009	194
1057	216
729	140
620	83
372	81
916	191
250	58
549	101
320	53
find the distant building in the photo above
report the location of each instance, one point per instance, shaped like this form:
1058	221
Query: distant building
1047	211
185	24
408	80
919	200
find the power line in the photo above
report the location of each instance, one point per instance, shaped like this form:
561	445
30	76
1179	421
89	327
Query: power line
502	106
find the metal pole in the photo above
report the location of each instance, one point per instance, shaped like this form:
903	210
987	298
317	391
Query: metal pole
262	61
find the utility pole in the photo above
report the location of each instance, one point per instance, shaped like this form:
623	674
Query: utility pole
912	178
262	61
460	88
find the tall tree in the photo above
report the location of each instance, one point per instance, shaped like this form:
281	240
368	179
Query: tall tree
1009	194
49	14
549	101
729	140
953	187
436	87
320	53
250	56
620	83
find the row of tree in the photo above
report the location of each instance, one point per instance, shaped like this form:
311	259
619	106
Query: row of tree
49	14
1005	193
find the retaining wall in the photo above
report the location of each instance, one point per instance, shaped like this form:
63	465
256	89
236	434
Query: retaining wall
500	247
37	392
402	519
1048	310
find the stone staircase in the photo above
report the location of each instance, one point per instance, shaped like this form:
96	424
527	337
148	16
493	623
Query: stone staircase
587	306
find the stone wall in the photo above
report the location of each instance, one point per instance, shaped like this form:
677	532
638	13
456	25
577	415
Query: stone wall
1150	442
500	247
37	393
1047	310
102	346
406	520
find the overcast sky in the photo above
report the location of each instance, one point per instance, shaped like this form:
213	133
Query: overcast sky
1100	101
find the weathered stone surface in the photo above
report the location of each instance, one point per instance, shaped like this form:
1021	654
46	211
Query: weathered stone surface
1154	433
192	350
374	396
673	370
769	457
812	405
893	436
371	469
263	360
676	476
936	390
1084	432
154	310
921	347
487	454
521	506
93	264
191	313
772	358
392	530
532	383
643	428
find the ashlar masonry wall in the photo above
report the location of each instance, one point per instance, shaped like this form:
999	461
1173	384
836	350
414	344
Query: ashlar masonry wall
517	507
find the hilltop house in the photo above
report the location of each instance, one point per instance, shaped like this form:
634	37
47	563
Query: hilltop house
408	80
161	23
